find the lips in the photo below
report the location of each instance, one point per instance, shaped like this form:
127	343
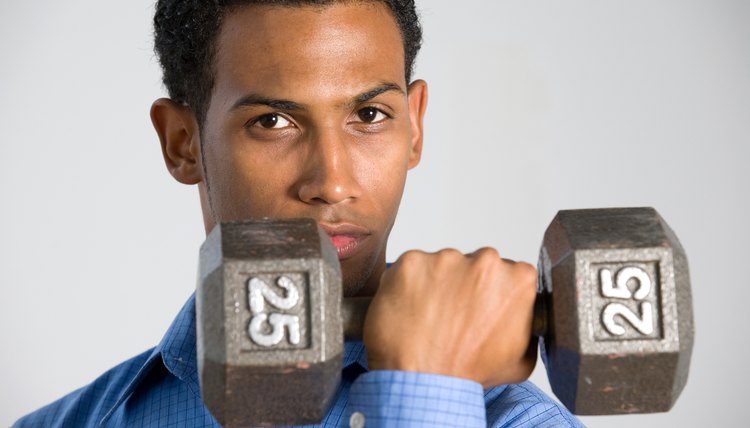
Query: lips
346	237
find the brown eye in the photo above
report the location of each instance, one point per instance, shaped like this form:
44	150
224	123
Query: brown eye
272	121
370	115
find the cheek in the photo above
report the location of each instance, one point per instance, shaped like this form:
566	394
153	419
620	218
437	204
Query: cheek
245	183
382	172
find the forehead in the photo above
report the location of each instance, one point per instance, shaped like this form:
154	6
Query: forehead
309	48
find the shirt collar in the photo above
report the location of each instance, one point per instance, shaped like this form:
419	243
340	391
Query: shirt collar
177	347
176	351
354	352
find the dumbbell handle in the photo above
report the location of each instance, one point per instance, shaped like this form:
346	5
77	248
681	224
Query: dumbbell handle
354	309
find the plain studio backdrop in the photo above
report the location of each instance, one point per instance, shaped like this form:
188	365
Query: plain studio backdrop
534	107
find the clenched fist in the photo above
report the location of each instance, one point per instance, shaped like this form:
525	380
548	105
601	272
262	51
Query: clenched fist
468	316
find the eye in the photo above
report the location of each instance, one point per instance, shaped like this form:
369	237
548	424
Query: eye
272	121
371	115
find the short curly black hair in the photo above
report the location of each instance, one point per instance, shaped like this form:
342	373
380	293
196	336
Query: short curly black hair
185	34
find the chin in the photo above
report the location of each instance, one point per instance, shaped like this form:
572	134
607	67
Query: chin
356	275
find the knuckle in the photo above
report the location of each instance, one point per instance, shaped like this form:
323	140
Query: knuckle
406	266
487	258
488	253
450	253
446	260
410	257
526	272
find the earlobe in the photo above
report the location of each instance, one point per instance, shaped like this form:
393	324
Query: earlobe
180	139
417	105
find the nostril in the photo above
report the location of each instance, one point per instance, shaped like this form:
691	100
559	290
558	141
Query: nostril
318	201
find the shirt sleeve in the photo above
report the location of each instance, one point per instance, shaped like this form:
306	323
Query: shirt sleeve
385	398
408	399
525	405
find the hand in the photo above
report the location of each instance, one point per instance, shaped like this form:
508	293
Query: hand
467	316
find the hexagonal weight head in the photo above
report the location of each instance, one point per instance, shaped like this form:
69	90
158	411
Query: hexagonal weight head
269	334
619	307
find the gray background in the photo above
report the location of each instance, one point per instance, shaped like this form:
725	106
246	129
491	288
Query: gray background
534	107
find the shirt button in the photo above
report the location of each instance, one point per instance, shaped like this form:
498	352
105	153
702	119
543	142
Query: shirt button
357	420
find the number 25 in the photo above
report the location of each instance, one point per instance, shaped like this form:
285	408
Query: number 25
618	288
258	293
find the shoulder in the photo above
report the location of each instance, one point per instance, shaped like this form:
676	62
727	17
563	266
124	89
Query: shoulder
88	405
524	404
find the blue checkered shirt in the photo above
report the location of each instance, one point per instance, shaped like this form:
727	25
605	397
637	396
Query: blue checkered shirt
159	388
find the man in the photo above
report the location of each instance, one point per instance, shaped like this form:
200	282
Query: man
304	109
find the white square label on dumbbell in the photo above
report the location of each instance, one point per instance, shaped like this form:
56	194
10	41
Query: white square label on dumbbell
276	311
626	301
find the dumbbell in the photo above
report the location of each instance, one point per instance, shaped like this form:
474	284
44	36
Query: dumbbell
613	314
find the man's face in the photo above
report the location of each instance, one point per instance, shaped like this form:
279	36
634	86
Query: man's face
309	117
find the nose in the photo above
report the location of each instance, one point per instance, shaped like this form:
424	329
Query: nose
328	173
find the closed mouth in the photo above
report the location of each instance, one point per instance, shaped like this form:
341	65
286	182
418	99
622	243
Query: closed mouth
347	238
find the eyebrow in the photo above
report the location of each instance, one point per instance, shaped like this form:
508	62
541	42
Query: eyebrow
374	92
252	100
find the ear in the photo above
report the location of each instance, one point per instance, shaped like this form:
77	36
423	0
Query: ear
417	98
180	140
